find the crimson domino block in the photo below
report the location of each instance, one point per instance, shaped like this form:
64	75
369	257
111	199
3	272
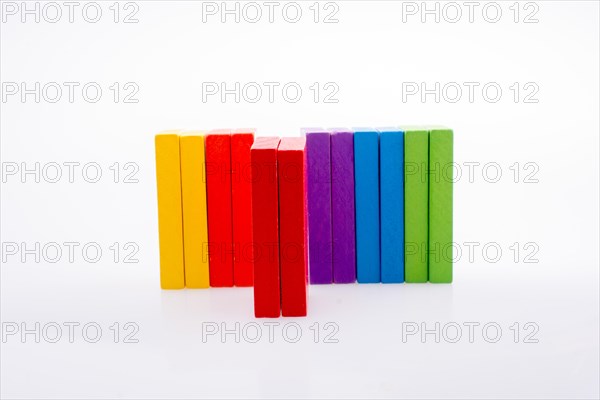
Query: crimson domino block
241	192
218	189
265	227
342	207
292	226
318	159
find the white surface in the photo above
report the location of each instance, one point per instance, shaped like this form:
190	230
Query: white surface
369	53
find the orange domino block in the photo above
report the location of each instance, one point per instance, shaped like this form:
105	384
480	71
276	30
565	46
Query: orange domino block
218	190
241	195
193	192
291	161
170	222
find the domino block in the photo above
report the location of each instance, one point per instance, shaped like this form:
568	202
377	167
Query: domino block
170	219
218	190
241	193
318	175
193	192
366	185
265	227
391	187
440	205
293	255
416	192
342	207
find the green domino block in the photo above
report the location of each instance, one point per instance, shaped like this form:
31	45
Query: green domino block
416	207
440	205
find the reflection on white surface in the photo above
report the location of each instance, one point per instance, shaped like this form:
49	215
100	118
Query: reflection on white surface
363	352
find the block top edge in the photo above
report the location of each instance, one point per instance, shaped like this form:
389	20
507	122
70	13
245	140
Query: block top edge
169	132
343	133
390	129
339	129
192	133
438	128
292	144
305	130
356	129
318	133
266	143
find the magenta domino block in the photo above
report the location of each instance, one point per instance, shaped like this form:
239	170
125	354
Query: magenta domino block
318	176
342	207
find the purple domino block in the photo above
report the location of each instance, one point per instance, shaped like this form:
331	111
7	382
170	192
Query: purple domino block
342	205
318	175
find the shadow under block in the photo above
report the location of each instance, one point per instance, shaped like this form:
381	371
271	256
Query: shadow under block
366	185
391	186
440	205
241	193
193	192
318	159
265	227
218	190
170	224
342	207
293	253
416	208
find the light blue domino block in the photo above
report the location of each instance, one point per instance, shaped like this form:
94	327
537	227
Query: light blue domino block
391	189
366	184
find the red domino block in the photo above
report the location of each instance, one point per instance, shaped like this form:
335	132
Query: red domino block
265	227
218	195
241	194
291	161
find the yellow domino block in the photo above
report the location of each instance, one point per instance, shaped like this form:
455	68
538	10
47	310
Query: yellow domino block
170	219
193	190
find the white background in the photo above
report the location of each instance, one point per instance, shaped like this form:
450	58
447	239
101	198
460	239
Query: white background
368	54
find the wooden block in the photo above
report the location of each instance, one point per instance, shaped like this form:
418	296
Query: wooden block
293	254
241	195
218	190
391	186
416	193
342	207
366	185
440	205
318	176
193	197
265	227
170	225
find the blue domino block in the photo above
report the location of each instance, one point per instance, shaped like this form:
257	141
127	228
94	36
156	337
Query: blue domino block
366	183
391	189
